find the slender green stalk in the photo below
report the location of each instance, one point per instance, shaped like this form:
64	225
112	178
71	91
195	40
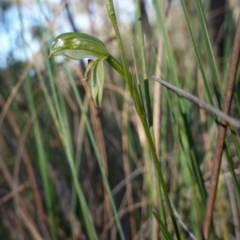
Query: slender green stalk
167	44
167	235
144	66
112	16
78	189
208	45
142	116
140	111
196	51
178	108
42	159
63	132
89	130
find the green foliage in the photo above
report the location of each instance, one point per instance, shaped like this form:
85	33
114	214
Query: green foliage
103	173
78	46
167	235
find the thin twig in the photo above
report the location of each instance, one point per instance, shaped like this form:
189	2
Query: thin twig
184	226
232	200
201	103
222	132
126	167
22	152
11	195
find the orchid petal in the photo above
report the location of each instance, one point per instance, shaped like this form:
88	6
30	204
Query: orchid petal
97	82
77	46
91	64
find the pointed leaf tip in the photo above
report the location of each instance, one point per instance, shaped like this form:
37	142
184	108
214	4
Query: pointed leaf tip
97	82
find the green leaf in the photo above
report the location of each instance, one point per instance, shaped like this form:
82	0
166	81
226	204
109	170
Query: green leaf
167	235
97	82
77	46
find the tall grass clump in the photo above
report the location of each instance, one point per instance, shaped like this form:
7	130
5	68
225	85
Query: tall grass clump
121	129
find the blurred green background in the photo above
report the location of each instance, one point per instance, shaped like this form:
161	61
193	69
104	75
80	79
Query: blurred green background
57	148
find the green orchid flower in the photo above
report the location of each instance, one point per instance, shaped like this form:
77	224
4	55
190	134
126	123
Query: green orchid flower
78	46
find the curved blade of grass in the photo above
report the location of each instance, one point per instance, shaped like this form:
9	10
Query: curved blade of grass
42	159
167	45
178	108
62	131
89	130
206	84
140	111
167	235
208	45
39	143
144	66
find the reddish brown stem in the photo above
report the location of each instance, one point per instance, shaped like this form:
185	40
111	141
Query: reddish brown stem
27	162
222	132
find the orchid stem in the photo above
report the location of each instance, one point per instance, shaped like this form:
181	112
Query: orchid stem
139	108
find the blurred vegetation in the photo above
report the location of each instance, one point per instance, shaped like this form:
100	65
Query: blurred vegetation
56	146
